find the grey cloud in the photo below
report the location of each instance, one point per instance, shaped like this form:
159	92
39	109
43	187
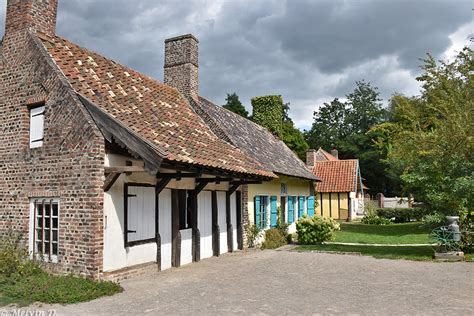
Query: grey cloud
307	51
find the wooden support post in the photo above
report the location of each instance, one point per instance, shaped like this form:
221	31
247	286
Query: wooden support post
110	180
240	232
230	236
157	229
215	226
175	235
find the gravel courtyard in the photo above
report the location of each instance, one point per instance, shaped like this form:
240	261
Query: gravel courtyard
283	282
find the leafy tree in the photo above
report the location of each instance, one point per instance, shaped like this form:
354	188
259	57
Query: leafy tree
271	113
346	126
233	104
431	136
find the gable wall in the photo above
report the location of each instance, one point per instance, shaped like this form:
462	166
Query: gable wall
69	165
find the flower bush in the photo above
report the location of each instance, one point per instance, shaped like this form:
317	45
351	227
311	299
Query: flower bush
274	238
316	229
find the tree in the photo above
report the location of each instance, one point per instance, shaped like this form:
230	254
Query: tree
431	136
271	113
346	126
233	104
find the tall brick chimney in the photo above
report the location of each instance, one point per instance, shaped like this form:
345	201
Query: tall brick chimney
181	64
39	15
311	157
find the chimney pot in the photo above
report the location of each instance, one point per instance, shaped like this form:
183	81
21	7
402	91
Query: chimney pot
181	64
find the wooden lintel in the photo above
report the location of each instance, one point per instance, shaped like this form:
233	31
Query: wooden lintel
246	182
122	169
110	180
234	188
214	180
177	175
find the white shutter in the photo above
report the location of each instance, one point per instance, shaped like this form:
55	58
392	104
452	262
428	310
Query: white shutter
36	127
141	213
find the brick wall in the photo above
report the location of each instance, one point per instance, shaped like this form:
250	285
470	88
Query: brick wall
245	212
69	165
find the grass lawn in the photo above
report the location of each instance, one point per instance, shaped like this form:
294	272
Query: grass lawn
419	253
406	233
43	287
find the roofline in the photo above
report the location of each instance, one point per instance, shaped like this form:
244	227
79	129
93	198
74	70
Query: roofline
181	37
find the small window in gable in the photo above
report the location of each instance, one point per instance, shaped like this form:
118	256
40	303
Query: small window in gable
36	126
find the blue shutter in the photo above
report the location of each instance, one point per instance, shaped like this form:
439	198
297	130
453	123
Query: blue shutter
311	206
300	206
257	212
273	211
291	210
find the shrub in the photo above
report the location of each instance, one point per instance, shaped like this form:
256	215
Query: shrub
375	220
14	260
466	225
316	229
274	238
370	208
252	232
401	215
434	220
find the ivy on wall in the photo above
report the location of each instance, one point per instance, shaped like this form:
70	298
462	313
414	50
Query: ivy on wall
268	112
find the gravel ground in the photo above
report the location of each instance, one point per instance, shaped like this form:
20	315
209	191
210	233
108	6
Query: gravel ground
284	282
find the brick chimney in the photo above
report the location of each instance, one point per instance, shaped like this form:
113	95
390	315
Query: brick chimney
181	64
311	157
39	15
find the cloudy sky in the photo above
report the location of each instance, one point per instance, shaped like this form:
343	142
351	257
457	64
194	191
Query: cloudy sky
309	51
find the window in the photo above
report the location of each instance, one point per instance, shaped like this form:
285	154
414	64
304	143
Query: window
261	205
140	215
36	126
44	231
283	189
291	209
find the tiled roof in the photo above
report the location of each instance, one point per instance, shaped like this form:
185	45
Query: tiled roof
322	155
253	139
154	111
336	175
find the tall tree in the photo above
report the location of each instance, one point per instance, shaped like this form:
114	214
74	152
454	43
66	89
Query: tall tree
271	113
233	104
345	126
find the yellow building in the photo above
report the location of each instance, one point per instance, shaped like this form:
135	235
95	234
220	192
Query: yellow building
339	195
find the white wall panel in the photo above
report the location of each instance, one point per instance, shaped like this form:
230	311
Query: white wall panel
186	246
205	223
222	222
233	218
165	228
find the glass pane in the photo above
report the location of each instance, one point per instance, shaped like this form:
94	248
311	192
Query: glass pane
46	235
55	235
39	234
46	223
46	247
55	209
46	209
55	222
39	247
40	222
55	249
39	209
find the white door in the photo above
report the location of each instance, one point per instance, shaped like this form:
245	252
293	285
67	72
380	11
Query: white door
233	219
205	223
222	222
141	213
165	228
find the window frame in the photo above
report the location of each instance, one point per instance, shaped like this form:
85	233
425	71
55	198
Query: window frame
36	143
128	243
33	240
266	208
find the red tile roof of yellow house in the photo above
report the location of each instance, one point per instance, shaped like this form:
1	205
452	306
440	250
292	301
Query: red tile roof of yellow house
156	112
337	175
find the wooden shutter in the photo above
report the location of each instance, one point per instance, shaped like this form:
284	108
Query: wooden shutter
258	221
310	206
273	211
300	206
291	210
36	127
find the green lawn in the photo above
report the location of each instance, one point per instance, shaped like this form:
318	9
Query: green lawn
46	288
419	253
406	233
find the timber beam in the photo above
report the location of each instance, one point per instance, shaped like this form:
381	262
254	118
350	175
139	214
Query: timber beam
123	169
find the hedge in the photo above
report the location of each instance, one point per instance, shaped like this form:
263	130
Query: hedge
402	215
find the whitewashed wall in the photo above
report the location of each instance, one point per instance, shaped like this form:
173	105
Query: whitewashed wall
205	223
222	222
186	246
